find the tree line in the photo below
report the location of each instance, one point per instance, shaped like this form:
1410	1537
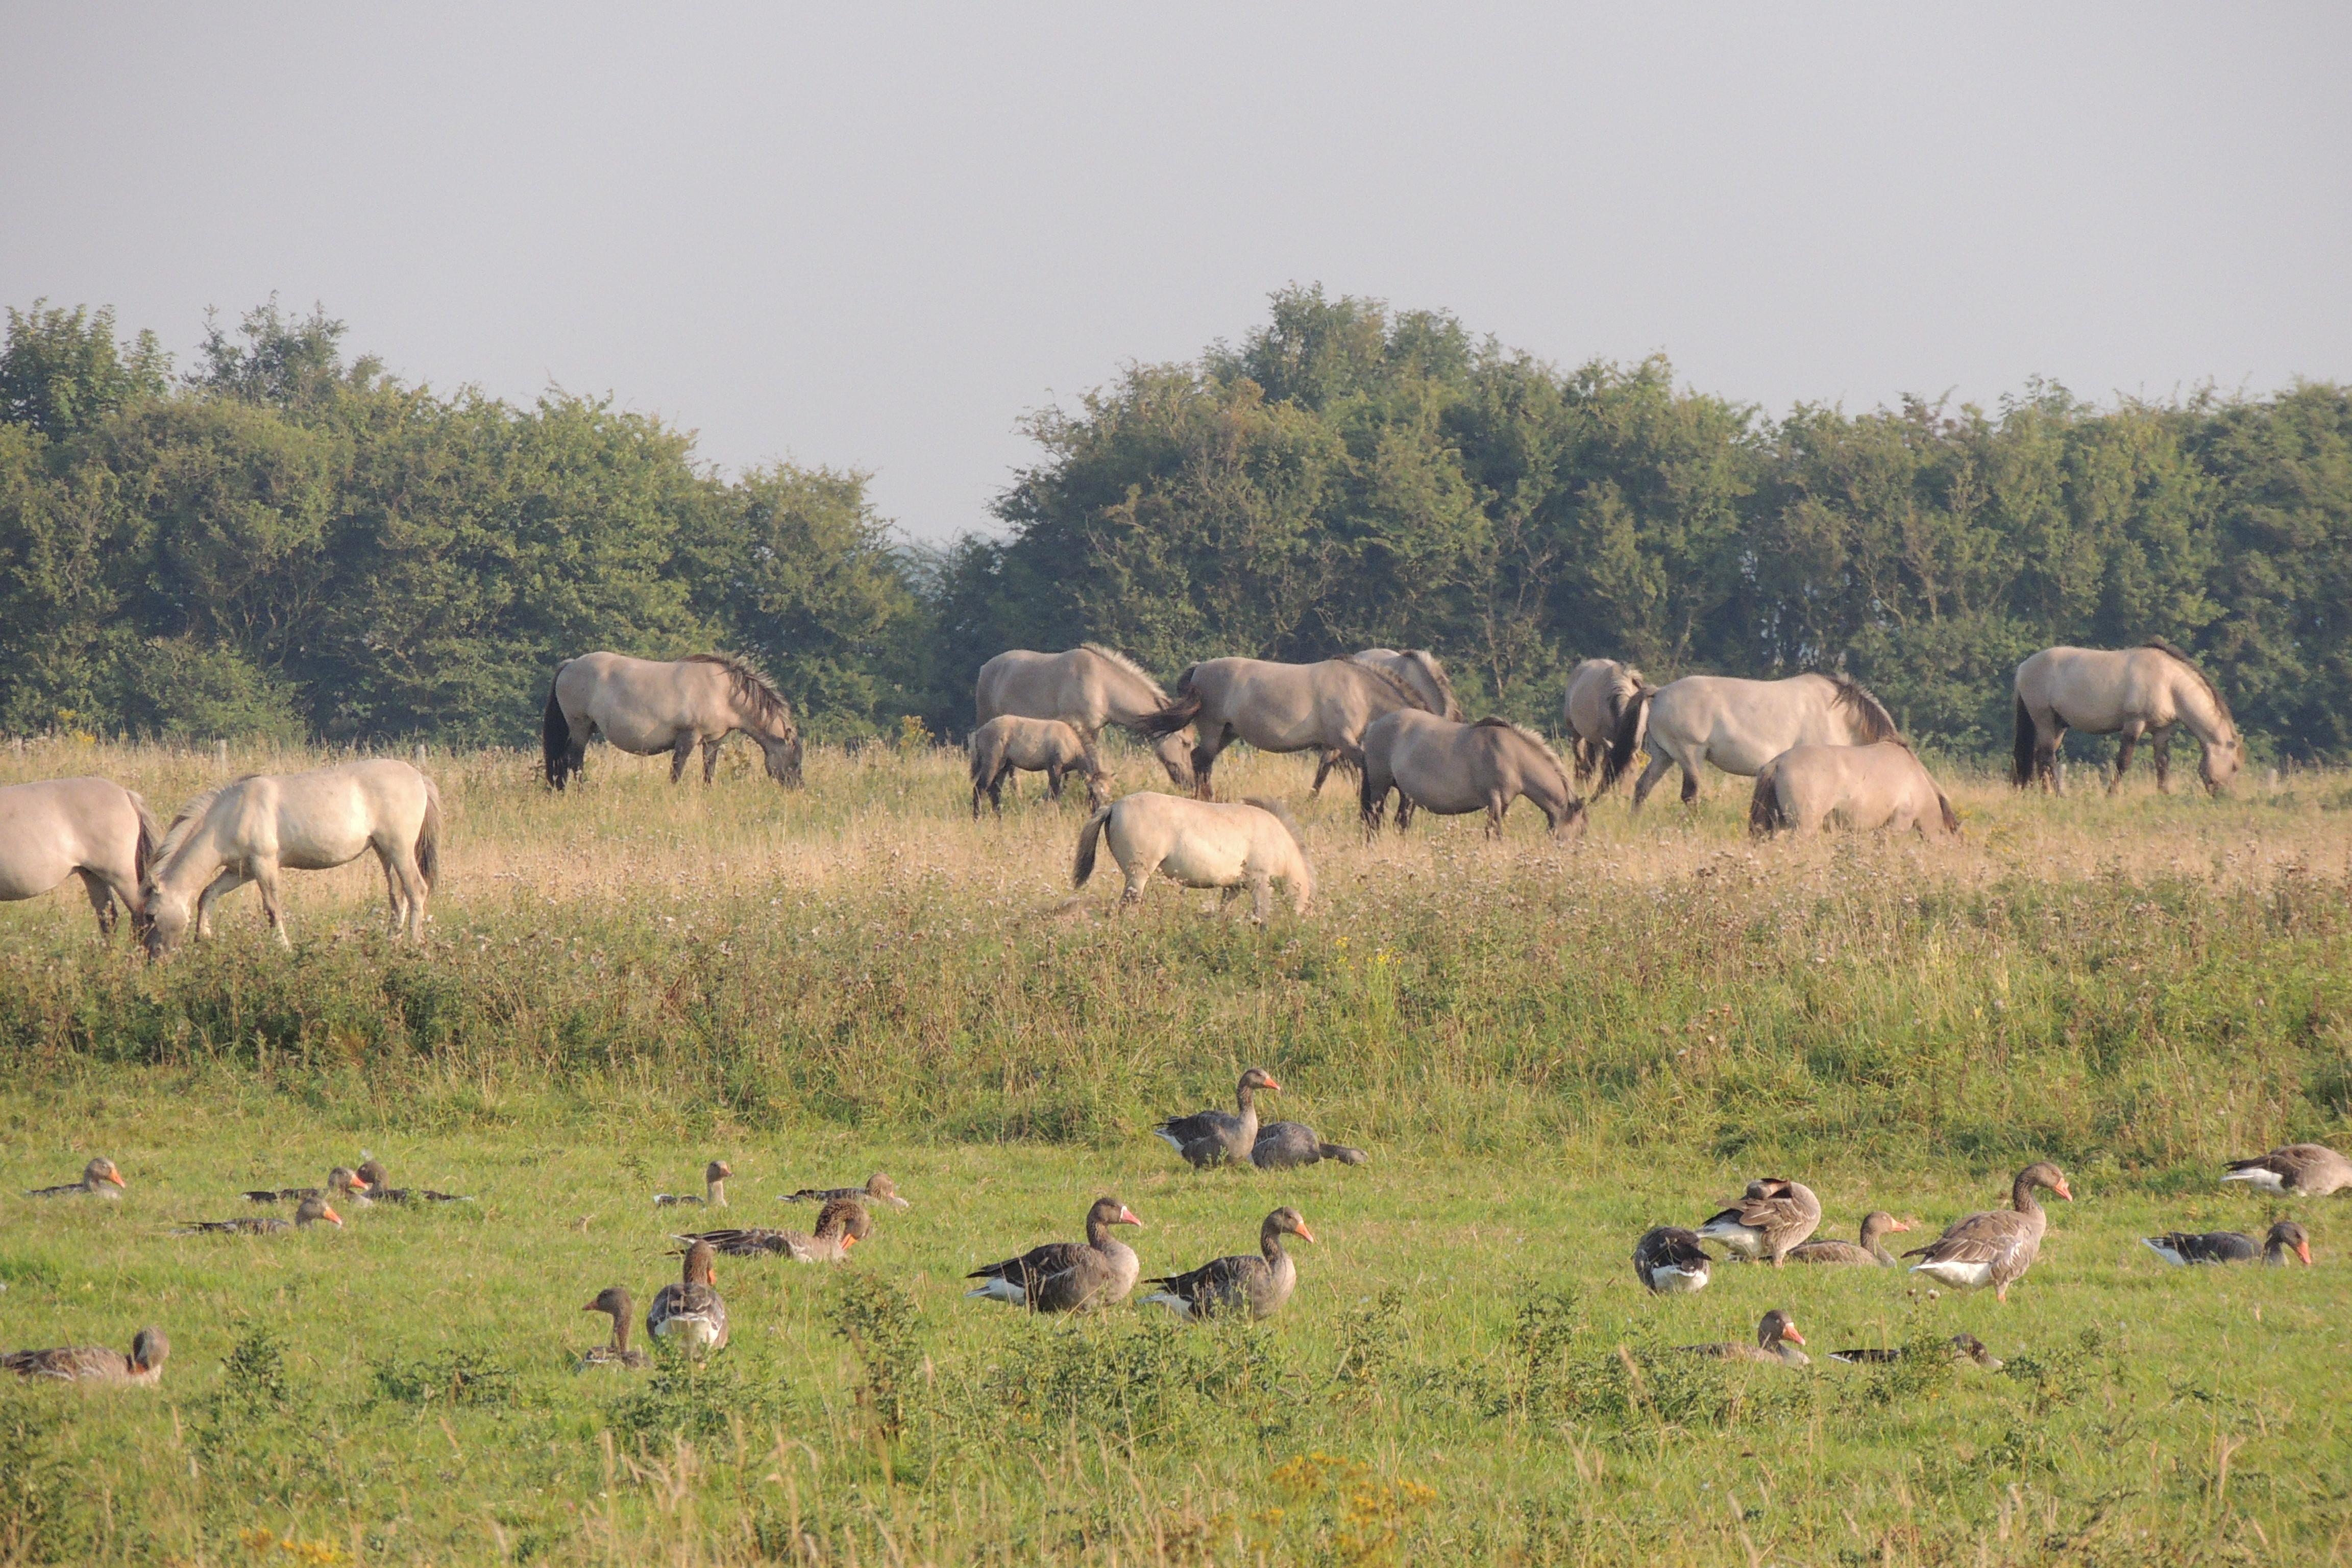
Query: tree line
287	540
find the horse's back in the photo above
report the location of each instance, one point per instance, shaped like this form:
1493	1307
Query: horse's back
51	825
1871	786
2099	688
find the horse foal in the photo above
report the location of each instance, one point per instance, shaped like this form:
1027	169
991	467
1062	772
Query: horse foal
1866	787
1032	745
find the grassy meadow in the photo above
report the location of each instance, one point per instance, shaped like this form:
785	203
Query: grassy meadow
1546	1049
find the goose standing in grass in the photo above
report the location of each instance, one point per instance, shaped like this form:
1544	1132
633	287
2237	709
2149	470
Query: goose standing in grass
309	1212
1259	1284
343	1185
1964	1347
840	1224
99	1179
143	1368
1995	1247
2232	1246
1286	1145
689	1312
878	1189
714	1189
1776	1339
1068	1276
2305	1170
1217	1137
372	1173
1871	1254
1775	1216
617	1302
1668	1261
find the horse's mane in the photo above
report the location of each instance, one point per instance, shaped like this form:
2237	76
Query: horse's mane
1129	665
751	683
2203	679
185	822
1374	672
1281	814
1877	723
1438	677
1626	682
1532	739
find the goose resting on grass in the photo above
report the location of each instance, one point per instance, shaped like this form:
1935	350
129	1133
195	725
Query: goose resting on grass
1668	1260
2306	1170
311	1210
99	1179
143	1368
1217	1137
840	1224
1995	1247
372	1173
714	1189
1259	1284
1775	1216
1068	1276
1284	1145
689	1312
343	1185
615	1302
878	1188
1965	1347
1872	1253
1775	1337
2285	1238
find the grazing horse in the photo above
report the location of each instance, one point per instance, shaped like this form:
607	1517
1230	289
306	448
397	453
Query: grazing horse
1202	844
1740	725
1452	768
1420	672
1882	785
1598	690
251	829
1279	708
87	828
1036	745
1086	688
2144	691
646	706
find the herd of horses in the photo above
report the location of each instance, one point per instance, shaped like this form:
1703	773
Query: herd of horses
1820	748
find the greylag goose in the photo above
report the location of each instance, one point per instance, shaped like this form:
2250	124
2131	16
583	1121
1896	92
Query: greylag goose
1995	1247
1068	1276
878	1188
1965	1347
1775	1216
2306	1170
1668	1260
372	1173
714	1188
615	1302
1283	1145
2231	1247
1218	1137
1259	1284
689	1311
1776	1337
99	1179
143	1368
309	1211
343	1185
840	1224
1872	1253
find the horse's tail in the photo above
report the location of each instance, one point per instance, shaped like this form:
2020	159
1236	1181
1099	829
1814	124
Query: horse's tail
1764	815
428	837
2021	769
1177	714
1951	817
1632	726
555	734
1086	837
143	854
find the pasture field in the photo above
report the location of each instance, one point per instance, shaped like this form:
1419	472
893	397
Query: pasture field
1546	1049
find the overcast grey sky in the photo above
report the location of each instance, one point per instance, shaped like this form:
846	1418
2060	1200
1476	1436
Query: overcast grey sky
875	236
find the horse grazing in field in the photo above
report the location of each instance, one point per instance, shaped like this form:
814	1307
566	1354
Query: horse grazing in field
88	828
1202	844
1086	688
1598	690
1740	725
646	706
1451	769
253	828
2144	691
1035	745
1319	707
1882	785
1420	672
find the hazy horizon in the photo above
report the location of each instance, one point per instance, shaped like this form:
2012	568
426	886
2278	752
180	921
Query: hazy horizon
877	241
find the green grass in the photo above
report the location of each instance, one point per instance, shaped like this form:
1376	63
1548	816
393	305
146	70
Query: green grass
1545	1050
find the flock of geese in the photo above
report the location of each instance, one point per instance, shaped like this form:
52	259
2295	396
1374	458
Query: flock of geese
1772	1223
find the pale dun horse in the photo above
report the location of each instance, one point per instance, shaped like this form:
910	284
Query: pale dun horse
1866	788
1740	725
1086	688
1322	708
2145	691
88	828
1202	844
263	823
1598	690
1435	764
648	707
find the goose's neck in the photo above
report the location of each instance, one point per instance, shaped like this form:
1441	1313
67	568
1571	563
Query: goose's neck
1269	1242
1878	1250
715	1193
621	1333
2021	1199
